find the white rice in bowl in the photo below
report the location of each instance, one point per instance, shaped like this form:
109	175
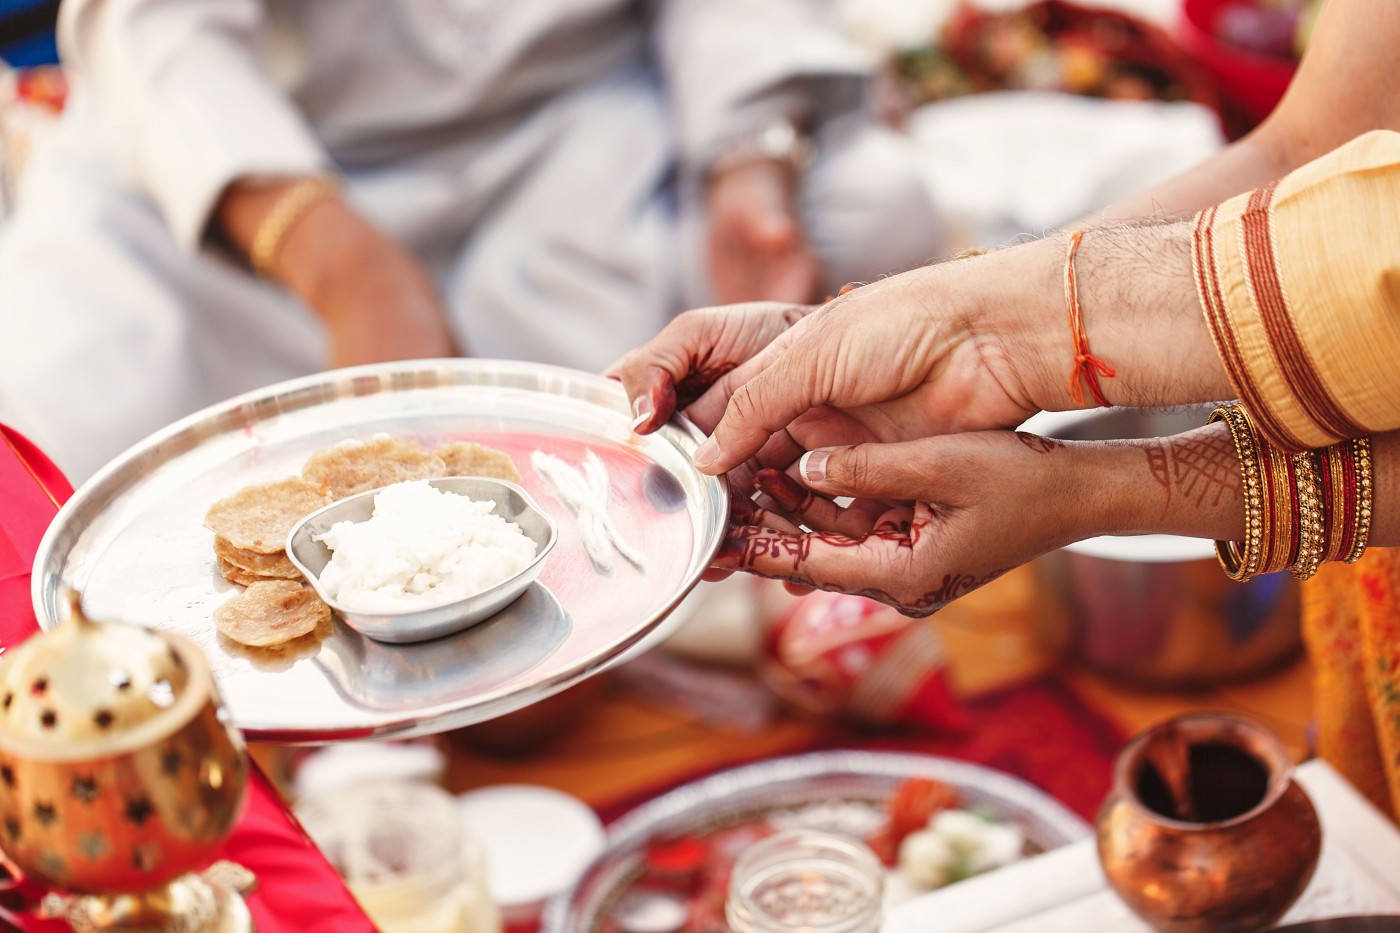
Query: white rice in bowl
423	547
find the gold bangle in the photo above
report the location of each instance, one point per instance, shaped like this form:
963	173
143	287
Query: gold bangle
1362	449
1334	494
290	207
1241	560
1278	508
1310	516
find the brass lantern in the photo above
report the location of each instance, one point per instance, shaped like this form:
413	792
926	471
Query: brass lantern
120	777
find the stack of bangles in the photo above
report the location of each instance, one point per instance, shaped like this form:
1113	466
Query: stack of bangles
1300	510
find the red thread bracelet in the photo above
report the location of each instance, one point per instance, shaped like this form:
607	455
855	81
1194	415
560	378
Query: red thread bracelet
1086	366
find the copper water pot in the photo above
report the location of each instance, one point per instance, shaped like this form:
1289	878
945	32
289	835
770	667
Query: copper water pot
1237	852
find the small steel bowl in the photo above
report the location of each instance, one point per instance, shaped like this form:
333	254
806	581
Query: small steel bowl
511	503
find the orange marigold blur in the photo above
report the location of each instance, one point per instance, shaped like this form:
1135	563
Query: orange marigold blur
42	87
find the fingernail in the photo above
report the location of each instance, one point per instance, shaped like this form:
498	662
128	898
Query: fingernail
707	455
813	465
642	410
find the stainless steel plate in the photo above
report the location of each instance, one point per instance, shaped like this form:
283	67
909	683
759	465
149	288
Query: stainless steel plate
810	787
132	539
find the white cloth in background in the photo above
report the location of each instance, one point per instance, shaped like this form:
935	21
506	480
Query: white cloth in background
1012	163
540	156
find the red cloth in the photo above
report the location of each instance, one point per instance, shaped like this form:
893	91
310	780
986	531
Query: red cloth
297	888
1040	731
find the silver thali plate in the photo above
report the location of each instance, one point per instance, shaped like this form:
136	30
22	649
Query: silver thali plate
837	791
132	541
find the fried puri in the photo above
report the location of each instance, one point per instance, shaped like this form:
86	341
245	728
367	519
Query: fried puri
347	469
270	612
258	518
466	458
276	566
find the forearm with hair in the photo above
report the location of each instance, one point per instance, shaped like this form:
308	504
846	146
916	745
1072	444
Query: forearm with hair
1140	310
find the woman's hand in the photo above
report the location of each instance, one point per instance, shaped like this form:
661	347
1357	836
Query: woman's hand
700	353
933	519
983	504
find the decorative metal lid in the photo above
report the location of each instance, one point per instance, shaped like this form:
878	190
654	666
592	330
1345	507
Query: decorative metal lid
93	685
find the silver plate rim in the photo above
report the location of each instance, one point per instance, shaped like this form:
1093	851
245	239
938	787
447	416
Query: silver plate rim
46	590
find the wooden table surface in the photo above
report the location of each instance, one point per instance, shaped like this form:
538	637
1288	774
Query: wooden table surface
613	745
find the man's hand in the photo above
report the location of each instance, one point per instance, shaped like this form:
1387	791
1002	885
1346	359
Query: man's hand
378	303
898	359
757	248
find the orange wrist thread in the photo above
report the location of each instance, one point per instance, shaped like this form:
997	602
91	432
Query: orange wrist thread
1087	367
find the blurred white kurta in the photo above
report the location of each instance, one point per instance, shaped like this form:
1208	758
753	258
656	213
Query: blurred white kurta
541	157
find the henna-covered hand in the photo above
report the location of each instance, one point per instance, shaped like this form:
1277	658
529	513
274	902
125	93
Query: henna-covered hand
934	519
930	521
700	351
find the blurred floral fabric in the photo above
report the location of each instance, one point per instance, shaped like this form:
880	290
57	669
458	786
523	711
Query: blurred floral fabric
1051	46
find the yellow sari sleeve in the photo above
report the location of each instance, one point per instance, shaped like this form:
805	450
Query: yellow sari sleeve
1300	283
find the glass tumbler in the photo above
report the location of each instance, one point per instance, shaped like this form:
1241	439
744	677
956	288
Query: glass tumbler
402	851
809	881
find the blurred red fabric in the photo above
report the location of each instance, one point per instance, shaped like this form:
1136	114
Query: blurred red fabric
297	888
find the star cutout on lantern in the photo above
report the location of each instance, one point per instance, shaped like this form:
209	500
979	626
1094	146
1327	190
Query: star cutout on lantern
93	845
145	857
85	789
52	865
170	762
45	814
138	811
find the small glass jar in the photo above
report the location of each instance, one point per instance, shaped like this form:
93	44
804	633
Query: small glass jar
402	851
804	880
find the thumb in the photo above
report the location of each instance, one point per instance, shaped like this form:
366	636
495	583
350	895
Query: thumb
756	410
899	471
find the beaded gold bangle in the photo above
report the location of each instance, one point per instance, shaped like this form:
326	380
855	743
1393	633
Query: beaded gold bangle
1242	560
1361	448
289	208
1311	518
